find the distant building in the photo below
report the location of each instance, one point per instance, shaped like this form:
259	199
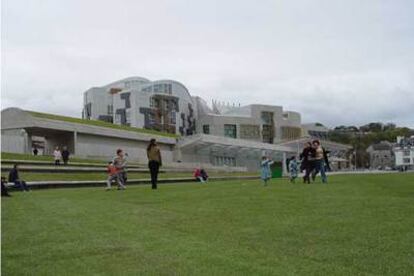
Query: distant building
404	152
381	155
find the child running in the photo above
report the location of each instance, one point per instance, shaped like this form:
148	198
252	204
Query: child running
293	169
265	167
118	171
112	175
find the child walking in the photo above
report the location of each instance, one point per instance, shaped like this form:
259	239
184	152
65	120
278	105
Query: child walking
293	169
265	168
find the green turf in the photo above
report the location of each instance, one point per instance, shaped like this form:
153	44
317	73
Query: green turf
355	225
99	123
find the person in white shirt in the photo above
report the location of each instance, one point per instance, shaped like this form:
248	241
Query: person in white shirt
57	155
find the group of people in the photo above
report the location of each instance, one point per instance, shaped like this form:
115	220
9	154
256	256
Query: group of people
60	155
313	160
117	168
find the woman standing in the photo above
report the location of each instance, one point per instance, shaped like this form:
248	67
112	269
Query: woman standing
154	161
57	155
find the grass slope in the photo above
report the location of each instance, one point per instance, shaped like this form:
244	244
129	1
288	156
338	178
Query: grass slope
29	157
98	123
27	176
355	225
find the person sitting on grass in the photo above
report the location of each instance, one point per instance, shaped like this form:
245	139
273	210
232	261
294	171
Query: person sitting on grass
200	175
4	191
14	178
293	169
197	175
265	169
204	174
112	175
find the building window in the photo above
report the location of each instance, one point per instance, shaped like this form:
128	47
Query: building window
230	131
406	160
224	161
110	109
406	152
206	129
173	116
155	103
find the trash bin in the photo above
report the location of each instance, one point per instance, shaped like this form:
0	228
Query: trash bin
277	169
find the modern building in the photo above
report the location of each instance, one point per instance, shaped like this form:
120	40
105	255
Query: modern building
167	106
163	105
381	155
404	152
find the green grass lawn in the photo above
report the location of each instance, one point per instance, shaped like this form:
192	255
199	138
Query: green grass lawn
355	225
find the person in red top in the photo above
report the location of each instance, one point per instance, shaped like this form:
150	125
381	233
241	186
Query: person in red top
113	174
198	176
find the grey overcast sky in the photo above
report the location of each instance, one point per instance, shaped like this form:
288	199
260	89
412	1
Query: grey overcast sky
335	61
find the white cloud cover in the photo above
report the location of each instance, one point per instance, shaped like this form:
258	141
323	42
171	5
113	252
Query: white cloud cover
337	62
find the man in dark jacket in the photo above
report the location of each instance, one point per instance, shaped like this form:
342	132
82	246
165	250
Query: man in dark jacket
14	178
65	155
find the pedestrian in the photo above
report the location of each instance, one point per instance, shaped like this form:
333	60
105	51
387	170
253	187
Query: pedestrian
4	191
119	164
57	155
306	161
154	161
35	151
293	169
65	155
112	175
14	178
320	159
265	169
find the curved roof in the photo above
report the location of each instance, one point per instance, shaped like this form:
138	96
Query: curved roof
135	78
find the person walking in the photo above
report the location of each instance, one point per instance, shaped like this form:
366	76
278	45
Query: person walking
65	155
320	155
57	155
35	151
306	162
14	178
154	161
265	169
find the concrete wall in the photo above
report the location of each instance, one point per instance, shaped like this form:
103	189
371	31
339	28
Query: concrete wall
15	141
99	146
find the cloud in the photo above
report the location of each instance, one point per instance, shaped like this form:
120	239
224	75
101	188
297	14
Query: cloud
337	62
